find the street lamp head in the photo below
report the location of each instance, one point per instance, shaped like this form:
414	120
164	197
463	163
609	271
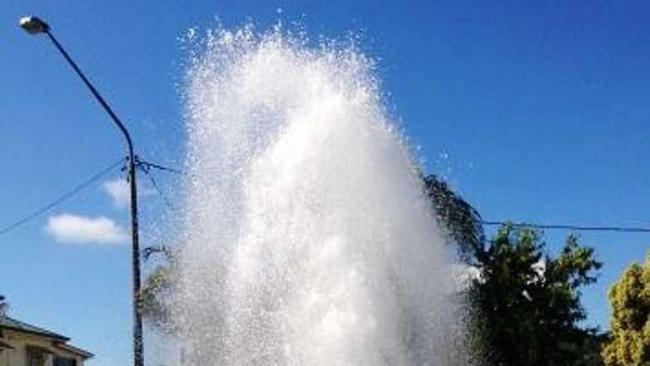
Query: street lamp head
33	25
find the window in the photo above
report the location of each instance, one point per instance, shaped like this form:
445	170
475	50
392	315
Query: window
35	357
64	361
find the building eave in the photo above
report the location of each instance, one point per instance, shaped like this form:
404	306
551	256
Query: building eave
22	327
75	350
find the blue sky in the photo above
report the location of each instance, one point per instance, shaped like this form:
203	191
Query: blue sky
535	112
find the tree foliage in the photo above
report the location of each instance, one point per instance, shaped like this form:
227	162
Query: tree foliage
528	303
525	304
629	343
457	217
156	293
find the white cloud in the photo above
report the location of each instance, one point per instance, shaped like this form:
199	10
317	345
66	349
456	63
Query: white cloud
120	193
68	228
118	190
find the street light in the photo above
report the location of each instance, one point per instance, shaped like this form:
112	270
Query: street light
34	25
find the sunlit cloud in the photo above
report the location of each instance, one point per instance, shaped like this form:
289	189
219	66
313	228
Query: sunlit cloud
69	228
119	192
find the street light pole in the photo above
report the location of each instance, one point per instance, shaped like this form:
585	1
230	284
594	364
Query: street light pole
34	25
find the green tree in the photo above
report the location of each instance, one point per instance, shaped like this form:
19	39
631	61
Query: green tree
527	303
629	343
459	219
156	293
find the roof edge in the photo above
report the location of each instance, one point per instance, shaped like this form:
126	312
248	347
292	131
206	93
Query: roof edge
31	329
76	350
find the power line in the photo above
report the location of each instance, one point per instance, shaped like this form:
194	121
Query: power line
155	185
626	229
146	167
61	198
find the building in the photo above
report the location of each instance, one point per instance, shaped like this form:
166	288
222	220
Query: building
23	344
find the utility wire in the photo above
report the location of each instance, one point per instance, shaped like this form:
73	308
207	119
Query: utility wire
155	185
626	229
146	167
34	214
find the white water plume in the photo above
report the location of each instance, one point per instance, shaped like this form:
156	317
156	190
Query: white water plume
308	239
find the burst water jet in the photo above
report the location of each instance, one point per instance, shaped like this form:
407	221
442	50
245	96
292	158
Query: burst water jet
308	238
